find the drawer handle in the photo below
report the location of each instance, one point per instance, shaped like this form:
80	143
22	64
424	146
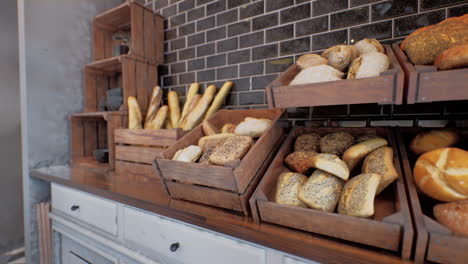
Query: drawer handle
174	247
75	207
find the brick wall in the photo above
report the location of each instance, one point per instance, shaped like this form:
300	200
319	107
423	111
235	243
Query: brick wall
250	42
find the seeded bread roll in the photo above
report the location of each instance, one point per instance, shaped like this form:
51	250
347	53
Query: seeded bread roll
454	216
434	139
369	65
307	142
358	152
301	161
340	56
207	142
188	154
369	45
358	194
321	191
253	127
231	149
309	60
380	161
316	74
205	158
288	187
336	143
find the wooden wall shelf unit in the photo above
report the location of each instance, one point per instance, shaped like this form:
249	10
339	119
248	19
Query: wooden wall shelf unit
390	228
91	131
135	77
424	83
434	242
146	30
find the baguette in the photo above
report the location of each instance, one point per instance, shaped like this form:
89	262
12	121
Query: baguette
321	191
160	119
228	128
209	129
358	152
288	187
193	90
153	106
196	98
134	114
219	99
233	148
207	142
173	102
196	115
168	124
358	195
301	161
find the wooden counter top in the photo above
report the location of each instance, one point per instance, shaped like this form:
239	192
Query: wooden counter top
152	196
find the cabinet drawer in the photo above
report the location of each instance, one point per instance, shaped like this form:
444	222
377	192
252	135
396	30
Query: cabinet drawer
89	209
157	235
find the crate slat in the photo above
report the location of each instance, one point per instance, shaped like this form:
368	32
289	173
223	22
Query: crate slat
137	153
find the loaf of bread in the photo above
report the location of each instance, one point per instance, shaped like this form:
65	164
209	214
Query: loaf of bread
134	114
340	56
207	142
358	195
414	33
231	149
192	91
443	174
307	142
288	187
380	161
434	139
228	128
174	109
369	45
153	106
369	65
321	191
355	154
316	74
455	57
208	128
219	99
159	120
454	216
195	116
301	161
205	157
336	143
188	154
309	60
193	103
253	127
362	138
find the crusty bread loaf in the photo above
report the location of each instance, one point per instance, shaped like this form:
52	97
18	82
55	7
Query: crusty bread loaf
253	127
358	195
209	129
365	137
321	191
301	161
309	60
287	188
307	142
192	91
414	33
358	152
188	154
380	161
316	74
174	109
336	143
195	116
207	142
134	114
219	99
369	45
434	139
228	128
454	216
231	149
455	57
159	120
369	65
153	106
340	56
443	174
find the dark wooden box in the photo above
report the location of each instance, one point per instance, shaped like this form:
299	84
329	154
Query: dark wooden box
390	228
384	89
434	242
424	83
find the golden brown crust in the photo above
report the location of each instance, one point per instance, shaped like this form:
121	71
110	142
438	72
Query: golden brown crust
231	149
355	154
339	56
434	139
414	33
455	57
307	142
309	60
287	188
454	216
300	161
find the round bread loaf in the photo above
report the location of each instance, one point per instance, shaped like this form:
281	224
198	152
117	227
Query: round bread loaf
336	143
380	161
455	57
434	139
340	56
443	174
369	45
454	216
288	187
321	191
316	74
369	65
358	152
309	60
358	194
307	142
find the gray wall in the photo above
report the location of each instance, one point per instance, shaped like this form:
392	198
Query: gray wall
11	207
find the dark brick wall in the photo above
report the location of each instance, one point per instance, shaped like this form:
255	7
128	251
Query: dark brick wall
250	42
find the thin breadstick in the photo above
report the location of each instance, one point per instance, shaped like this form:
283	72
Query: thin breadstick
174	110
153	106
134	113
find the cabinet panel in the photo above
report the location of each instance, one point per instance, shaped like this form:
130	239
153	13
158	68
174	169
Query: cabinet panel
74	253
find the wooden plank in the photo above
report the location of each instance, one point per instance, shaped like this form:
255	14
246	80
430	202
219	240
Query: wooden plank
114	121
141	83
399	76
149	35
137	154
76	138
430	83
98	42
90	137
90	91
135	169
159	41
162	137
108	44
128	80
447	249
137	30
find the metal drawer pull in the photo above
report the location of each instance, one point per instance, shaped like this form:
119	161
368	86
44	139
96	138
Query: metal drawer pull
75	207
174	247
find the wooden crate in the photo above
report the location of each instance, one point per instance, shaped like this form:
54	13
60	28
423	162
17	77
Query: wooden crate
390	228
146	30
384	89
136	150
434	242
424	83
91	131
134	76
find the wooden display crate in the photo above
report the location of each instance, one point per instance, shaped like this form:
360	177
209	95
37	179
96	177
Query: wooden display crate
434	242
424	83
146	30
222	186
384	89
91	131
390	228
135	77
136	149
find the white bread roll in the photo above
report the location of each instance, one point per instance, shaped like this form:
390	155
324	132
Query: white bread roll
434	139
288	187
309	60
340	56
369	45
380	161
188	154
316	74
321	191
369	65
358	194
358	152
253	127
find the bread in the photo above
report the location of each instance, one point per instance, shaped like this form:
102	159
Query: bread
321	191
309	60
219	99
369	45
231	149
195	116
205	158
174	110
168	124
380	161
160	119
188	154
209	129
153	106
193	103
358	195
207	142
307	142
414	33
369	65
192	91
358	152
434	139
362	138
301	161
340	56
134	114
253	127
316	74
455	57
443	174
336	143
228	128
287	188
454	216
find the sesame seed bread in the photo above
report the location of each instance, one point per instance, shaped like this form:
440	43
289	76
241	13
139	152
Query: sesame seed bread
358	152
288	187
321	191
301	161
307	142
336	143
380	161
205	158
357	196
231	149
207	142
